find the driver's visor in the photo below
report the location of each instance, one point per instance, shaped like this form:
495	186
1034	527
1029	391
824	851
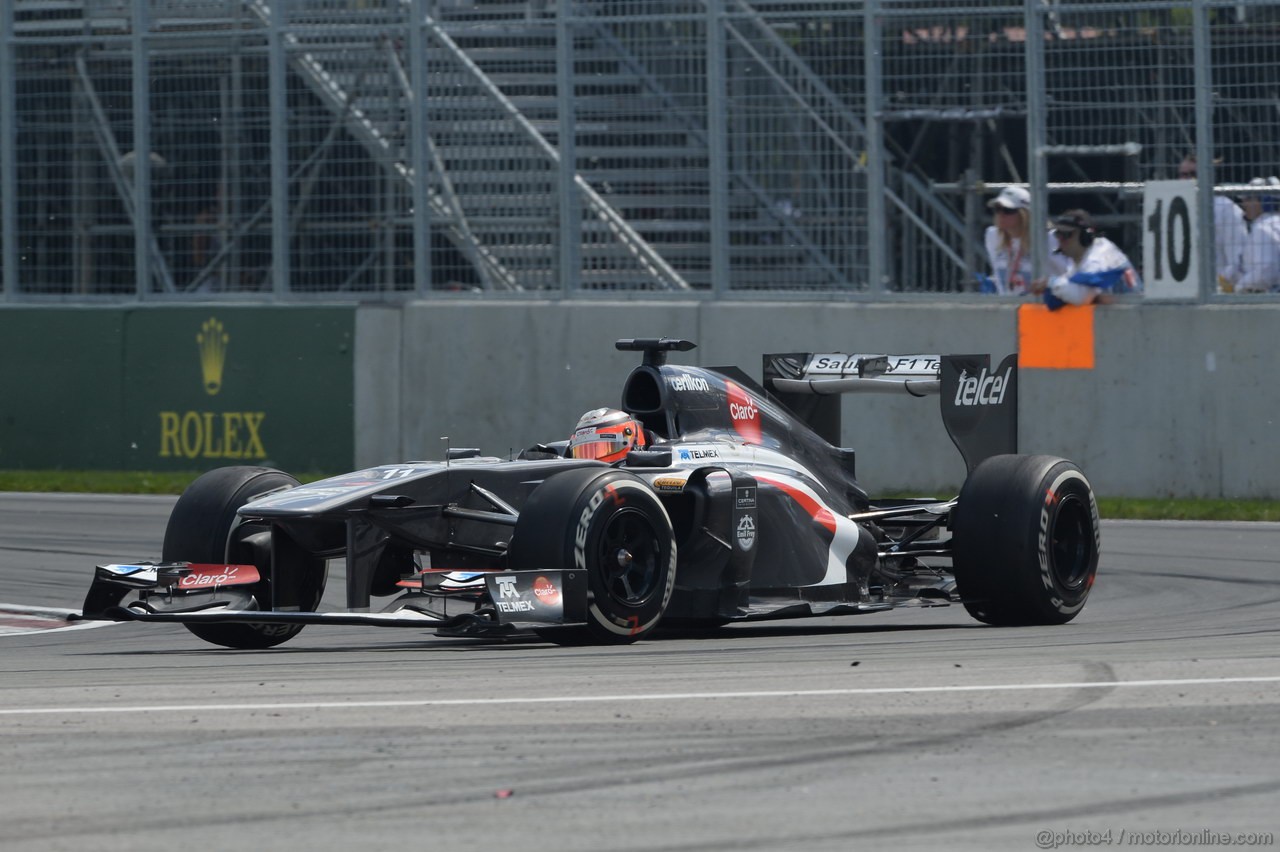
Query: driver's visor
596	445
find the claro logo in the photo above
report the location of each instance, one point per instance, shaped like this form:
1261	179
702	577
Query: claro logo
744	413
982	389
212	434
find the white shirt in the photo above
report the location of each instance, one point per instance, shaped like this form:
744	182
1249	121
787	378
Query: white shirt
1230	236
1011	270
1103	269
1261	258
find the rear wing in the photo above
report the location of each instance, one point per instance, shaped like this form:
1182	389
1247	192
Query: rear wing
979	405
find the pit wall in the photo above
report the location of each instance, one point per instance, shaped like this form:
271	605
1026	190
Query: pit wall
1180	401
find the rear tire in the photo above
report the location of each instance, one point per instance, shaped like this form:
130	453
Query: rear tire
610	524
204	527
1025	540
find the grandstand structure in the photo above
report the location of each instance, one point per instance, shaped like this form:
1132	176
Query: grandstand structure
177	149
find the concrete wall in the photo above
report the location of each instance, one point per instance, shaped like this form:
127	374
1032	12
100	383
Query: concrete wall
1182	400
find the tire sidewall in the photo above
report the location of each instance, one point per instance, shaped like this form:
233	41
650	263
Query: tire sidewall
599	505
1066	492
560	527
1011	512
200	529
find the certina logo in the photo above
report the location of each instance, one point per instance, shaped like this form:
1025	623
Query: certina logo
982	389
212	434
686	382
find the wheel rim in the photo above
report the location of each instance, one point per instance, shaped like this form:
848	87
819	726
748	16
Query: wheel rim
1071	544
629	554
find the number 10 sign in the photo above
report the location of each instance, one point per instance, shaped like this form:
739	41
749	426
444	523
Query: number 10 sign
1170	265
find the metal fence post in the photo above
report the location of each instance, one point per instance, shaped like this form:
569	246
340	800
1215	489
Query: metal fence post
8	155
418	148
277	98
877	270
718	144
143	234
1206	176
1037	171
570	231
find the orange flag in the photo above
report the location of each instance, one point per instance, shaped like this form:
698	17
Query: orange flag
1055	340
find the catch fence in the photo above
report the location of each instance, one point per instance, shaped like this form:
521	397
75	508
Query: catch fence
384	149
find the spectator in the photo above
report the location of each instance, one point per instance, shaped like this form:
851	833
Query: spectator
1009	257
1260	263
1229	230
1096	268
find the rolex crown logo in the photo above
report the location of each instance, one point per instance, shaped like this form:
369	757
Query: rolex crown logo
212	341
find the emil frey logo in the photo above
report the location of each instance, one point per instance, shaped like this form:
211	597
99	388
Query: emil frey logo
982	389
212	434
746	532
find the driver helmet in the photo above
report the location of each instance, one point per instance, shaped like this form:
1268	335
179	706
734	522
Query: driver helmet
607	435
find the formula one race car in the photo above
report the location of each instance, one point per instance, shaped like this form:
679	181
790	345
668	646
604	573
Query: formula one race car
739	506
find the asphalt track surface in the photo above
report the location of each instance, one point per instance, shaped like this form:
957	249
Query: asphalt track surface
1152	717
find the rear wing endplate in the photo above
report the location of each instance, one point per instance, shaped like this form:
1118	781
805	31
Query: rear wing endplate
979	405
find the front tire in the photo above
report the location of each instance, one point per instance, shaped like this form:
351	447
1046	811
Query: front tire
1025	540
204	527
611	525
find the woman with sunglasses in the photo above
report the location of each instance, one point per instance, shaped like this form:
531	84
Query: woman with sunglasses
1097	269
1007	252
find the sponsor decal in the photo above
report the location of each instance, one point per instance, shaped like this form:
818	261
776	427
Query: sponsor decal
926	365
668	483
509	599
835	363
545	592
982	389
687	382
213	576
212	434
746	532
698	453
212	342
507	587
515	606
744	497
743	413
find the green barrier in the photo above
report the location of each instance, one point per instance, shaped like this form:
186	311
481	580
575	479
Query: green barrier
160	388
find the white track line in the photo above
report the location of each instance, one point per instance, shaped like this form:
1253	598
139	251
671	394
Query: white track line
670	696
39	614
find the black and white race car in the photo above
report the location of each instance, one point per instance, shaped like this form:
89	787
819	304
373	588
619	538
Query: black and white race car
741	507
